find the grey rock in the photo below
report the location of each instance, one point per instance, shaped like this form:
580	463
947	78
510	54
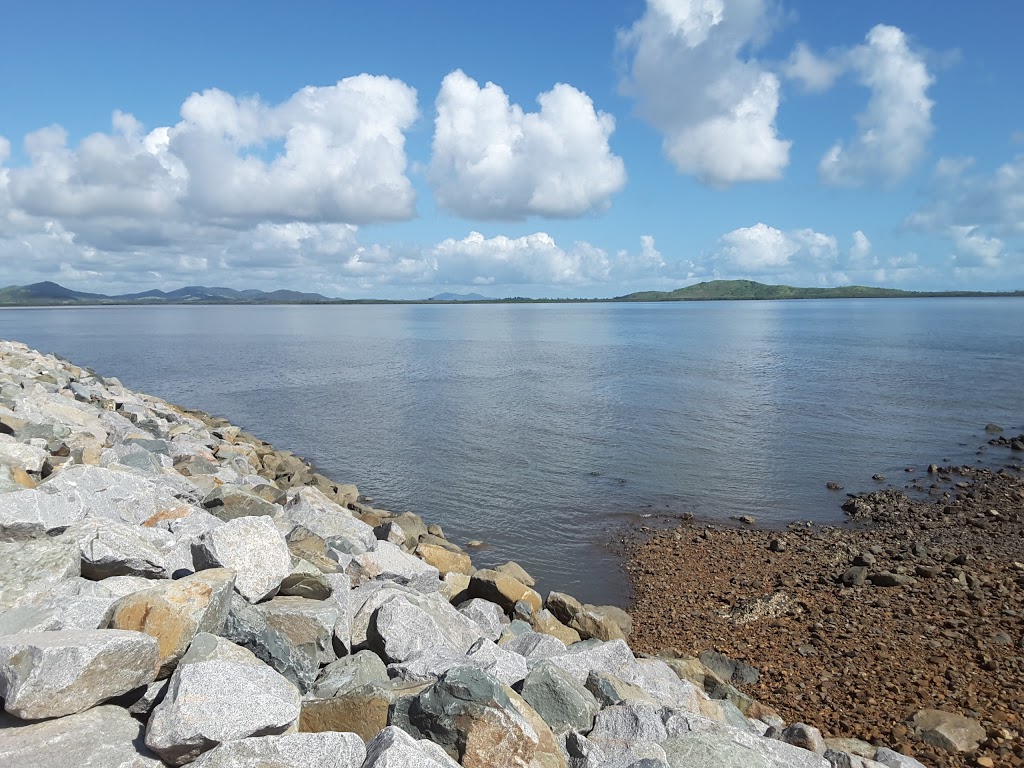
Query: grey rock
888	579
254	549
291	634
29	458
610	691
104	737
58	613
948	731
296	750
730	670
534	646
394	748
629	722
348	673
112	548
428	665
341	597
459	632
227	502
404	629
891	759
118	494
119	586
219	692
660	682
854	576
592	656
389	563
838	759
487	615
584	753
143	701
471	715
50	674
311	509
733	748
806	737
31	513
506	666
559	698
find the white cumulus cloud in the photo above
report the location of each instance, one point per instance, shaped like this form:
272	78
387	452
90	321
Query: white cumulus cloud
493	160
815	73
692	78
860	256
765	249
974	249
332	153
895	127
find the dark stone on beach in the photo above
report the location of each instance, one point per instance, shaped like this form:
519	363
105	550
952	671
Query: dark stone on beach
889	579
730	670
777	545
855	576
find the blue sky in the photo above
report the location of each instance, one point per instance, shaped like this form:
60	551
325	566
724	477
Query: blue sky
398	149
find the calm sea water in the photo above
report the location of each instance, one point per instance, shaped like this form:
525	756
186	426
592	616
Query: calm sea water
544	429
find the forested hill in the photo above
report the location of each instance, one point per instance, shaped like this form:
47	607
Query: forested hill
738	290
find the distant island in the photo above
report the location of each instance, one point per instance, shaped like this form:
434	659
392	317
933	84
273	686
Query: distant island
460	297
50	294
748	290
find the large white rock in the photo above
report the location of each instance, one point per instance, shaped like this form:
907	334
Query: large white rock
49	674
394	748
219	692
254	549
33	512
734	748
104	737
583	658
312	510
57	613
21	455
297	750
506	666
118	494
112	548
458	631
386	562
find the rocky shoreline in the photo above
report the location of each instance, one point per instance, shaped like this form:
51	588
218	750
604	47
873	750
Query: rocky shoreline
173	590
912	615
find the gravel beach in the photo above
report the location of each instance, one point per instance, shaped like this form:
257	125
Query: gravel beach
918	604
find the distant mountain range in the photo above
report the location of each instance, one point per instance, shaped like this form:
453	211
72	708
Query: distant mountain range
51	294
48	293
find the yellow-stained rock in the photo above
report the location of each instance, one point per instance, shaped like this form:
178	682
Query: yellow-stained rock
174	612
503	589
544	621
444	560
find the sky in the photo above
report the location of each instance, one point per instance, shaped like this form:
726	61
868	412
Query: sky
580	148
